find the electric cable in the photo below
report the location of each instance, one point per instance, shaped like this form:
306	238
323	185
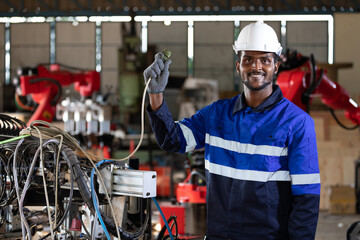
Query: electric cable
68	205
21	105
54	81
163	217
69	202
49	133
86	195
45	185
57	173
82	223
27	184
10	126
95	201
67	66
341	124
74	143
13	139
100	217
314	83
86	154
70	194
198	174
72	140
17	190
93	227
161	234
3	175
11	189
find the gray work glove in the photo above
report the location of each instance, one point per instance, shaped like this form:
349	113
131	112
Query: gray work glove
159	73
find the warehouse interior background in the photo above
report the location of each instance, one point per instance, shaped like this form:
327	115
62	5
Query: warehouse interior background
95	35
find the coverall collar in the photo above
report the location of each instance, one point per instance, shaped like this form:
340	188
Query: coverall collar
275	97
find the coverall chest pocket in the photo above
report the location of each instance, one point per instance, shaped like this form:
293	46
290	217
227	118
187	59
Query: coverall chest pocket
273	145
223	129
270	136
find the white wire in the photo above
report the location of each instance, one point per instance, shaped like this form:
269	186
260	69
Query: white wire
57	174
45	185
26	186
16	183
69	138
51	132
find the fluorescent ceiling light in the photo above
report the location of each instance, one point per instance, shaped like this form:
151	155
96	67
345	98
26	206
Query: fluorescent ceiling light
110	19
81	19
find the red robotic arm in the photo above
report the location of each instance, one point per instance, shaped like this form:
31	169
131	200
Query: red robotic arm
45	87
301	83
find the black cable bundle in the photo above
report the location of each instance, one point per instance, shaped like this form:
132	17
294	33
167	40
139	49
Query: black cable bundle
7	192
161	234
10	126
341	124
84	190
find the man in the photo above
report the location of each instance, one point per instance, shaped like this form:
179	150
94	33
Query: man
260	149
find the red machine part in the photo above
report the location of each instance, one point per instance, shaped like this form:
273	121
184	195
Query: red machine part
336	97
177	210
188	192
45	88
294	84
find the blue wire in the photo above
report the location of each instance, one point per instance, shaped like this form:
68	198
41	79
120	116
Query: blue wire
98	212
163	217
95	201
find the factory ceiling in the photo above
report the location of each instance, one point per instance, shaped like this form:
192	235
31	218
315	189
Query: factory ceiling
29	8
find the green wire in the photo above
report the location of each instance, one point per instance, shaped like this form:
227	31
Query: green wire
14	139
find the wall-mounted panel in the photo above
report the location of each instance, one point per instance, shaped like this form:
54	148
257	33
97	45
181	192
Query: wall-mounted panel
2	65
347	35
174	38
2	52
213	53
75	45
112	41
30	45
308	38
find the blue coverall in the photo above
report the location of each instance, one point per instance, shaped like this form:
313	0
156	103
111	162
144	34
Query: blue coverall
261	166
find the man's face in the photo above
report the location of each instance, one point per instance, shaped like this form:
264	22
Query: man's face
257	69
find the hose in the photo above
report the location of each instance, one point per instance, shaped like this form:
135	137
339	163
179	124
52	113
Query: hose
340	124
86	195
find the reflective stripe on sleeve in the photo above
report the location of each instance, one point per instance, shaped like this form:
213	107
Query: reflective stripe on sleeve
189	137
248	175
302	179
245	148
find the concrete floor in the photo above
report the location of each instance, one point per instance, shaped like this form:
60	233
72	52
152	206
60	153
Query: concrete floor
330	226
334	227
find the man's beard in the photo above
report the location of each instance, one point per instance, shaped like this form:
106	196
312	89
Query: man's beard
248	84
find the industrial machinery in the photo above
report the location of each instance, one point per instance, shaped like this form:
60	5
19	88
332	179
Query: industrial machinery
300	81
45	87
197	93
49	186
131	62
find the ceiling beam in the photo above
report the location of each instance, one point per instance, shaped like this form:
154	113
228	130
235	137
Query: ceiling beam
172	7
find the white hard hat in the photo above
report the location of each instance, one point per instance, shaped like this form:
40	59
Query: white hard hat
257	37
